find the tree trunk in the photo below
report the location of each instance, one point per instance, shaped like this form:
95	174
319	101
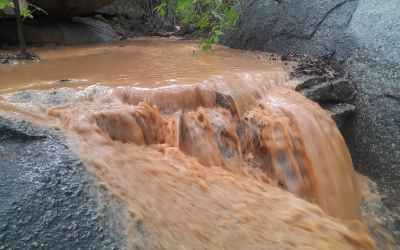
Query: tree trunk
21	37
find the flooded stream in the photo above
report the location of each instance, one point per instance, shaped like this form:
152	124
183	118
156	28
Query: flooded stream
141	62
206	150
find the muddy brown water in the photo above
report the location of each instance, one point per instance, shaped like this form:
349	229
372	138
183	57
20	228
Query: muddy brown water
208	150
142	62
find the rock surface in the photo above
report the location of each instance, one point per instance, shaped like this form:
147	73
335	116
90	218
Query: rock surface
362	37
127	17
69	8
325	84
382	223
130	18
78	30
47	200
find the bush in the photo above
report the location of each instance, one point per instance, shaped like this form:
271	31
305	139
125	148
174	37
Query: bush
210	16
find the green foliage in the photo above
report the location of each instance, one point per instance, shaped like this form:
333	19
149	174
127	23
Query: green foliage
5	4
210	16
161	9
26	9
26	13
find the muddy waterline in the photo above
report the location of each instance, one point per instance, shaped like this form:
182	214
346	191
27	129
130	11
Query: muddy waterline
206	150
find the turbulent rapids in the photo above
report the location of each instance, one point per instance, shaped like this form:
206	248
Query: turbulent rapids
217	165
210	165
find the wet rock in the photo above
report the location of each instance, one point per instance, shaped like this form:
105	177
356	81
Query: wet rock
309	82
373	135
26	56
47	199
340	112
227	102
324	83
37	101
340	90
383	223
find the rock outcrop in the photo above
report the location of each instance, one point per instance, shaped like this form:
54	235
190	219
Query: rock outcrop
77	30
47	199
362	37
69	8
61	22
327	85
127	17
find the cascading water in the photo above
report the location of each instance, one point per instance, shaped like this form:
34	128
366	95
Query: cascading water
235	162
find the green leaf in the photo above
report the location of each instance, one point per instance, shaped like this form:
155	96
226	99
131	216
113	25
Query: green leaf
26	13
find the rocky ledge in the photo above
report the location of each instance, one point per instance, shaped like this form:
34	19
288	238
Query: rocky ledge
323	82
47	198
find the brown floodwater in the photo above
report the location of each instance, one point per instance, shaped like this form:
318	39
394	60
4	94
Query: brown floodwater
140	62
206	151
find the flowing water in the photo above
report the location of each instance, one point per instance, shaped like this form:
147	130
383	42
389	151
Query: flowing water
206	150
143	62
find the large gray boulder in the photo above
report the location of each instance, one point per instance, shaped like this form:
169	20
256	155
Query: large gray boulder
47	198
374	134
363	38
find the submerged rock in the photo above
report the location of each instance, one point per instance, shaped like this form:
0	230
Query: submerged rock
26	56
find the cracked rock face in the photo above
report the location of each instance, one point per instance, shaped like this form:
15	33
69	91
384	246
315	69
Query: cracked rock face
293	26
362	37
